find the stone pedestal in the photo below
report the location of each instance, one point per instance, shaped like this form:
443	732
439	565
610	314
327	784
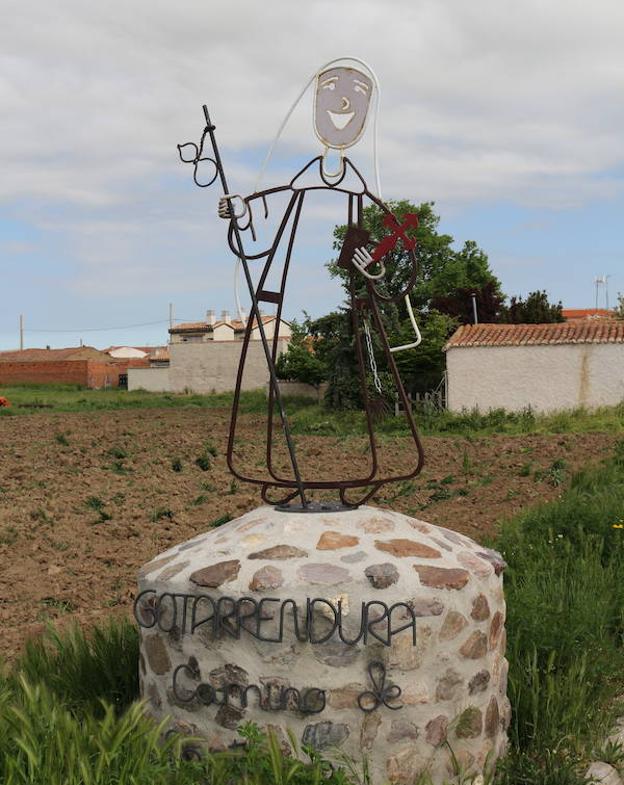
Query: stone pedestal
366	631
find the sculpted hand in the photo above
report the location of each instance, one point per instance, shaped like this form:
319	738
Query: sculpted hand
362	260
224	206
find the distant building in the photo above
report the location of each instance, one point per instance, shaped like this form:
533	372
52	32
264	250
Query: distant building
203	356
83	365
586	313
547	367
225	329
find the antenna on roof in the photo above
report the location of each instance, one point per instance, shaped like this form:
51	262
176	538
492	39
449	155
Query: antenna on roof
602	280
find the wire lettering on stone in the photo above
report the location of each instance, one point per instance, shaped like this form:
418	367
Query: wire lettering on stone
267	619
269	697
381	694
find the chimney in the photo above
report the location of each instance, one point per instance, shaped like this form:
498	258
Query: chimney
225	316
210	317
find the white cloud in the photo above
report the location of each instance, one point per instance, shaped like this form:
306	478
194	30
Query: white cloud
481	101
96	96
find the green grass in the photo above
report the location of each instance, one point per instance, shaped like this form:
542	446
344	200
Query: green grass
30	399
565	625
308	418
315	419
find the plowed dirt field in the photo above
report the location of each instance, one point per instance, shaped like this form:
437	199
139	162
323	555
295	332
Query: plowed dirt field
86	499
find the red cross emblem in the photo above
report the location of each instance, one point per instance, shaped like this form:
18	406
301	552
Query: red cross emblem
398	233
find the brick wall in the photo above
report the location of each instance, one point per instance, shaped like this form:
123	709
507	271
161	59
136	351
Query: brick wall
87	373
50	372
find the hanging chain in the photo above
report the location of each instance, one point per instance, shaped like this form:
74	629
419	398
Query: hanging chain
371	357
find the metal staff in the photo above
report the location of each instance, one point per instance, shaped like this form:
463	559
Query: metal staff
210	128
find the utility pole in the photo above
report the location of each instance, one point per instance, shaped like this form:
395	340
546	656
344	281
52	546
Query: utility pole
21	329
170	316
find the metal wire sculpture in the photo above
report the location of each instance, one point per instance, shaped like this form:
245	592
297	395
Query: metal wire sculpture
359	264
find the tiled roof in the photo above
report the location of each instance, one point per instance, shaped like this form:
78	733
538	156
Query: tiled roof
586	313
49	355
236	324
191	326
580	331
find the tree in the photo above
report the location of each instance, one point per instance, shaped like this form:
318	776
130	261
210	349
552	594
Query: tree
442	269
441	297
619	308
536	309
490	303
299	362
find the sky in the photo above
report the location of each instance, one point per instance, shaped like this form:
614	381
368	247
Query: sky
508	115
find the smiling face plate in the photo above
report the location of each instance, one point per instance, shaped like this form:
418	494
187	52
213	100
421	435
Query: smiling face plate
340	106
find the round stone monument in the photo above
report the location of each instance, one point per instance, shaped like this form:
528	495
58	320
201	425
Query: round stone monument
365	632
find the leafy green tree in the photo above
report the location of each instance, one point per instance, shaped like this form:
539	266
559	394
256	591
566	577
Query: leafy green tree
300	362
536	309
422	369
442	269
441	297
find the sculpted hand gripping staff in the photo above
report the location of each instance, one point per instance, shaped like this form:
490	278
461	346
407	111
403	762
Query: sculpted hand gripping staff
343	96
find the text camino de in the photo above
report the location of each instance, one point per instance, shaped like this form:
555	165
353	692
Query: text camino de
269	619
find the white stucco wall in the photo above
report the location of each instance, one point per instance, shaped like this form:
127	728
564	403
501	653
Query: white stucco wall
546	378
212	366
150	379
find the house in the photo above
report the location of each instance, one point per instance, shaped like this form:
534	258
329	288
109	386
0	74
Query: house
547	367
82	365
225	329
203	356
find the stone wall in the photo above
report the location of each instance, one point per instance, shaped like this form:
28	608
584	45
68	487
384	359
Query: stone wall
545	378
150	379
396	644
212	366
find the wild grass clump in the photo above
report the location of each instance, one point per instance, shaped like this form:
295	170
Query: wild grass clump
69	715
42	742
80	670
565	626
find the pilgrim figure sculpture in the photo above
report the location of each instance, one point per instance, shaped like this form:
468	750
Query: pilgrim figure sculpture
343	98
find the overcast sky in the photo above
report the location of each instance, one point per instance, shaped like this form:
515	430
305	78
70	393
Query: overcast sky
509	115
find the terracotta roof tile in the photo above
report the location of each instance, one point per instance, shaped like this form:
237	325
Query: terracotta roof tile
49	355
586	313
579	331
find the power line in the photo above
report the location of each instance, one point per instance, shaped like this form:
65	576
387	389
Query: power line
103	329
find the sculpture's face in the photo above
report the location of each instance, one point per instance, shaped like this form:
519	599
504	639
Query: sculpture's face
341	105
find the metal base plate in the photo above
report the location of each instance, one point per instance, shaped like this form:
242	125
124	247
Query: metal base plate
316	507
